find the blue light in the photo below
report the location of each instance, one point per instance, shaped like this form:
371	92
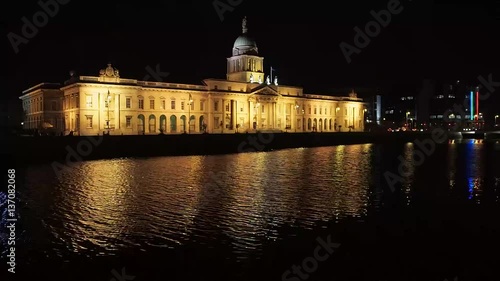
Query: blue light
471	105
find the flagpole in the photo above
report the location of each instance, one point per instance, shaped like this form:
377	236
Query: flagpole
271	74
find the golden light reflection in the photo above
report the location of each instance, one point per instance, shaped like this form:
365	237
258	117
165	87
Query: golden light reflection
95	203
408	174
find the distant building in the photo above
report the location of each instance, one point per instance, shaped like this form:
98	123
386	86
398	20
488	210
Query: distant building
246	101
456	105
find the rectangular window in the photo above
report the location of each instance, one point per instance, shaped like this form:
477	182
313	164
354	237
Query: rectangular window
346	111
172	104
77	116
192	105
315	110
241	109
202	105
163	104
229	88
262	109
216	122
309	110
88	99
89	121
182	105
141	104
320	110
216	106
128	121
127	102
151	104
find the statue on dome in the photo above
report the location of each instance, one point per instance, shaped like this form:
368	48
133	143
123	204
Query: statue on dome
244	25
260	80
251	78
268	81
276	80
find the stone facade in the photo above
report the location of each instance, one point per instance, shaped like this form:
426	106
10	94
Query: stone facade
245	101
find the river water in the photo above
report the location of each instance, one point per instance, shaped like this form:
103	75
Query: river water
253	216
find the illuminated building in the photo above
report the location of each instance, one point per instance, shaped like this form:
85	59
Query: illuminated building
246	101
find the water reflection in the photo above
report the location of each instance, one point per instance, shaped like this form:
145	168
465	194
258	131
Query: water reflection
236	201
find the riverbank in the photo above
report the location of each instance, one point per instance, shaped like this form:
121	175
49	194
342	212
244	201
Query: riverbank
30	150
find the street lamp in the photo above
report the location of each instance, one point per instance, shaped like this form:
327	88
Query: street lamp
189	113
296	111
407	114
107	105
496	116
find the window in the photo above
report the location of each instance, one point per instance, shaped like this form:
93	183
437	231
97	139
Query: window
77	101
128	121
172	104
229	88
192	105
215	87
202	105
320	110
88	99
127	102
182	105
163	104
315	110
151	104
141	104
216	122
241	109
227	107
263	109
77	126
346	111
89	121
216	106
309	110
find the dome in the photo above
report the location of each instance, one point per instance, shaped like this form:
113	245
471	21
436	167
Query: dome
244	41
244	45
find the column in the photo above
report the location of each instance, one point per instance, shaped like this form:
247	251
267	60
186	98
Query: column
233	114
258	114
117	111
250	115
223	110
283	114
274	115
210	114
98	119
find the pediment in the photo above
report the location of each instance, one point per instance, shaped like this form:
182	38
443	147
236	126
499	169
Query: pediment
266	91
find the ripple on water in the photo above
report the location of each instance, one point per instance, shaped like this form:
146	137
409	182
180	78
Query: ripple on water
240	201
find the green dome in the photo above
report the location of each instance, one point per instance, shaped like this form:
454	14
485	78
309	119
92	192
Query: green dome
245	45
244	41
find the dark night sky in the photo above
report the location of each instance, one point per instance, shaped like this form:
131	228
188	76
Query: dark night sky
428	39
